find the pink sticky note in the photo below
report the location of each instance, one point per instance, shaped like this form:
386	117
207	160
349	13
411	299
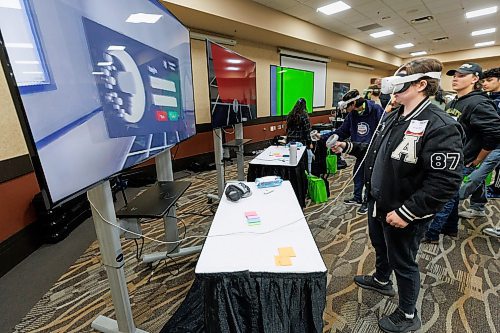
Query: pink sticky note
250	214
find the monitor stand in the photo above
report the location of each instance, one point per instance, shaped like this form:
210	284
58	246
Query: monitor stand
165	173
238	143
113	260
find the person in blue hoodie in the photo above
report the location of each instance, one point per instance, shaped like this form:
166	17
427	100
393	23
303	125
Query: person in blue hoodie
362	118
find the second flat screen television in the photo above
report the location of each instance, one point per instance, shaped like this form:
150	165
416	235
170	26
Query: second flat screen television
232	86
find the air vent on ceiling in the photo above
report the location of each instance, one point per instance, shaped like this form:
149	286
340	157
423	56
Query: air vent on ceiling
370	27
423	19
440	39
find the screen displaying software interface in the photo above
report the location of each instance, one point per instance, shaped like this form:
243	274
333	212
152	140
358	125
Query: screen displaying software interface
114	85
232	86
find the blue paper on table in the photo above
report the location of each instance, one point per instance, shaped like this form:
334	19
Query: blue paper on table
268	181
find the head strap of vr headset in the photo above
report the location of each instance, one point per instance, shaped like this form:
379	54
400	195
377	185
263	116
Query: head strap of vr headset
416	76
343	104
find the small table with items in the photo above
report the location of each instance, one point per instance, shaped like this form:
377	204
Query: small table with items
275	161
260	274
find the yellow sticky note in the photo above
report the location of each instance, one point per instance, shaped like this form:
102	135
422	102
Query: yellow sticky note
282	261
286	252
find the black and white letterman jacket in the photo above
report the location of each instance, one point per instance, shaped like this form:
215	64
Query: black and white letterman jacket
420	166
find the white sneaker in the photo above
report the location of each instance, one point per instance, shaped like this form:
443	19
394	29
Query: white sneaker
495	232
472	213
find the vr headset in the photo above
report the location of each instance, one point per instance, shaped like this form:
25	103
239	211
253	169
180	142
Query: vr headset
342	105
236	191
398	84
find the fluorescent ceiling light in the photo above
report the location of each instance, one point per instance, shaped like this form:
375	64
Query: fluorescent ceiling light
481	12
143	18
13	4
233	68
234	61
116	48
382	34
27	62
360	66
20	45
333	8
483	32
418	53
105	63
484	43
403	46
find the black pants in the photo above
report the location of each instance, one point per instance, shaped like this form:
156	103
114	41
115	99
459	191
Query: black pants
396	250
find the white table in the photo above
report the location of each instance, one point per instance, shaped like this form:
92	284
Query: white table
268	164
252	248
268	157
238	284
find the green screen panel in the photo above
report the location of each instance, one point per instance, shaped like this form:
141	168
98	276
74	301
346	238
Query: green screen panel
296	84
287	86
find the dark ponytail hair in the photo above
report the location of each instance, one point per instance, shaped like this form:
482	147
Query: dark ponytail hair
299	109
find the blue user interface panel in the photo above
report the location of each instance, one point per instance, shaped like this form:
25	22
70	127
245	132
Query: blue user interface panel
117	86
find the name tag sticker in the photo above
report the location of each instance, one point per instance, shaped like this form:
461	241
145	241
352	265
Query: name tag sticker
416	128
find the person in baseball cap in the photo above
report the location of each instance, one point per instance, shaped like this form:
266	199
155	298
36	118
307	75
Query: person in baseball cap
467	68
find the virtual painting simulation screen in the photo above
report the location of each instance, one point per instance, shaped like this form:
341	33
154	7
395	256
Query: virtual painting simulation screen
104	84
232	86
287	86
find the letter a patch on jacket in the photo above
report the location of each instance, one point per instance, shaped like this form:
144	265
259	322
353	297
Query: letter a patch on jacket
408	146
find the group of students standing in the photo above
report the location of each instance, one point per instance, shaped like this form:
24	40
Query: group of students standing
415	157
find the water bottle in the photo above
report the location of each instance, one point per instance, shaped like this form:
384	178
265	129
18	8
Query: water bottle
293	153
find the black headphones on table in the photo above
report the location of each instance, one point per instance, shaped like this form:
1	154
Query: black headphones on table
236	191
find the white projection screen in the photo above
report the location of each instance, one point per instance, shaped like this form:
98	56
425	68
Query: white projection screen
319	69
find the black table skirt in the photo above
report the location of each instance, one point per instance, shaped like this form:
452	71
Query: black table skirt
252	303
296	175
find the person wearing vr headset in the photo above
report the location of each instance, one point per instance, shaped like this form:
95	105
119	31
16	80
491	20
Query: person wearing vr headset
373	93
412	168
298	125
362	118
481	123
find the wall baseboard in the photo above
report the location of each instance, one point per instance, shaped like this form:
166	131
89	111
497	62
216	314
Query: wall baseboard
19	246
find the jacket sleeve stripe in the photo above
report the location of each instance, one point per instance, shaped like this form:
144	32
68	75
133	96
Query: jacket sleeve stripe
404	214
407	211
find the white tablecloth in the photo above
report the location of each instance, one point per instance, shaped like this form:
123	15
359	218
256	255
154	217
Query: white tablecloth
267	157
252	248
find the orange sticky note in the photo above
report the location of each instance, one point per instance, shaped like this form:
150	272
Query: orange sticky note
282	261
286	251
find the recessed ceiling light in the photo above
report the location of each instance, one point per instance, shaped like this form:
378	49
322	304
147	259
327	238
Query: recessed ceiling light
491	42
483	32
116	48
382	33
481	12
143	18
403	46
418	53
13	4
333	8
20	45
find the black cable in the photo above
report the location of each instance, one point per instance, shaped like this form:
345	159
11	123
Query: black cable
176	151
138	252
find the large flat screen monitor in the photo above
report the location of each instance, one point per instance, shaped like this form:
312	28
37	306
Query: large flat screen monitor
99	86
232	86
287	86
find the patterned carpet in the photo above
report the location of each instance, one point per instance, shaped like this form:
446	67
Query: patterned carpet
460	278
